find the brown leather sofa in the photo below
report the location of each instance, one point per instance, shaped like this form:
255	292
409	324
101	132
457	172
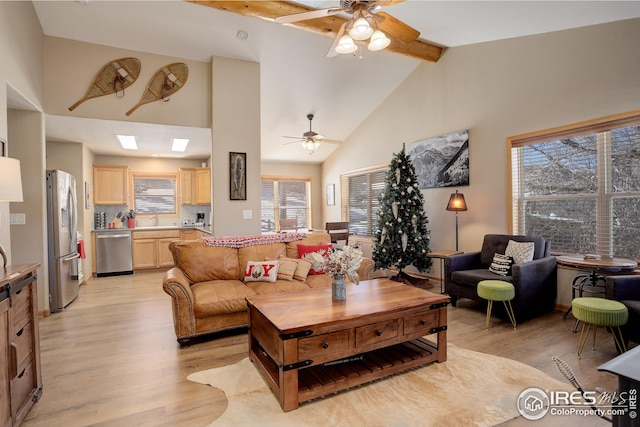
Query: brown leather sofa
208	293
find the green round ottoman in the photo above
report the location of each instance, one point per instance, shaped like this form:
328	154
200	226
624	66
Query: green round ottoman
497	290
599	312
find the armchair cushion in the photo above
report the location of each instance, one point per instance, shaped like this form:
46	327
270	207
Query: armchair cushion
520	251
501	264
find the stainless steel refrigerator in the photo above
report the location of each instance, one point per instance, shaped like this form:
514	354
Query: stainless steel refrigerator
62	222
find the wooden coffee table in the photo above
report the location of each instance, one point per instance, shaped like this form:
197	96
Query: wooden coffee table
305	345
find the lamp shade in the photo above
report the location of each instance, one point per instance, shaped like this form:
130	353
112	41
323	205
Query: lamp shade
378	41
457	202
10	180
361	29
346	45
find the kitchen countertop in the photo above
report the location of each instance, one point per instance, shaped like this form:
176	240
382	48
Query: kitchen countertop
160	227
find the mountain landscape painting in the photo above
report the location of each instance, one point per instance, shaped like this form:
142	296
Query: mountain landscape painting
442	161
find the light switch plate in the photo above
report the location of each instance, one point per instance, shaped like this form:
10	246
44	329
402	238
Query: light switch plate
247	214
17	218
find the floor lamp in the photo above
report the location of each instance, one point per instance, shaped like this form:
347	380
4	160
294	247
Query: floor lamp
10	188
457	204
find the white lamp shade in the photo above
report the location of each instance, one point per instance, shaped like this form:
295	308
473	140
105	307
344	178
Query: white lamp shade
378	41
346	45
361	29
10	180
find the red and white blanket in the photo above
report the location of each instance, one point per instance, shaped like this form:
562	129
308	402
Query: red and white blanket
245	241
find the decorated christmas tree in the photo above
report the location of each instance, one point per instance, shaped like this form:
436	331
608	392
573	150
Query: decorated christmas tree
401	237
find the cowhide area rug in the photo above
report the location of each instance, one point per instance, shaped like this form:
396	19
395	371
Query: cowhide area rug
469	389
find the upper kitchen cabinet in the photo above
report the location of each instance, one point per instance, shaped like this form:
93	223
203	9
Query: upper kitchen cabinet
196	186
110	184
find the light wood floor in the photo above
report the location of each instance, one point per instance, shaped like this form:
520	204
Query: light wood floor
111	358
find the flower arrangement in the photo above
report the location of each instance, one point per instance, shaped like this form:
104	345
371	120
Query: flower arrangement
345	260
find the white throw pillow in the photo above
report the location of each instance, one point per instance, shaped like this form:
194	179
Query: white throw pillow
261	271
520	251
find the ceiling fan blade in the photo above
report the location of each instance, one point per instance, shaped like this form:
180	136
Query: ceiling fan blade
328	141
332	50
293	137
397	28
293	142
312	14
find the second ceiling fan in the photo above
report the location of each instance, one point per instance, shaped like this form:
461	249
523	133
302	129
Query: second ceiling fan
367	23
311	140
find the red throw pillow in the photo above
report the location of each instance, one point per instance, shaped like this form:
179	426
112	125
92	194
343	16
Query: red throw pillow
322	249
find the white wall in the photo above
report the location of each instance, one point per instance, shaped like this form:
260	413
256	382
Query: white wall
496	90
235	128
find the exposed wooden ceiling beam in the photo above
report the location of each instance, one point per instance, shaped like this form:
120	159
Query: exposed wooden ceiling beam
326	26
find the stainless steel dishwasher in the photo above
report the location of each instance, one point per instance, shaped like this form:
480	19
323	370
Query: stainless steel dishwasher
113	253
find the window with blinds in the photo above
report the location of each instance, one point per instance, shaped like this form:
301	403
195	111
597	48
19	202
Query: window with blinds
580	187
359	198
285	198
155	194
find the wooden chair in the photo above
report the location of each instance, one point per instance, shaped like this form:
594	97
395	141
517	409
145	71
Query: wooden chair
289	224
338	231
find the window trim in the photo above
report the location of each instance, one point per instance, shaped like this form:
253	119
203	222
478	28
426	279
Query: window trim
595	126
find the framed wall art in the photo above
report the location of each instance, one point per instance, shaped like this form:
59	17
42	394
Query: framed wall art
237	176
442	161
331	194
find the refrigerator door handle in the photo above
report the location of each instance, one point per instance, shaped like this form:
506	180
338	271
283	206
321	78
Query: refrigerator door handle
70	257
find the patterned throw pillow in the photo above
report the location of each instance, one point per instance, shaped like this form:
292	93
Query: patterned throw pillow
501	265
520	251
322	249
261	271
286	268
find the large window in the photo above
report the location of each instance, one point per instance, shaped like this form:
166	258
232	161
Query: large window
155	194
359	198
579	186
285	199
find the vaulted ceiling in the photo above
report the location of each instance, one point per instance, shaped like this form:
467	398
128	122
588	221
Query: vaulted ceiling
297	77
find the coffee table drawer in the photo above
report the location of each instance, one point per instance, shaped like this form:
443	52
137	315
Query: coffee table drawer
376	332
323	345
421	322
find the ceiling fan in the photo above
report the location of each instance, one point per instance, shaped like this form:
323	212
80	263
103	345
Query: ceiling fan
367	23
311	140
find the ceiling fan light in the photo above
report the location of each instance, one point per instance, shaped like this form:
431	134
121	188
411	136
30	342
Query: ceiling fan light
378	41
361	29
346	45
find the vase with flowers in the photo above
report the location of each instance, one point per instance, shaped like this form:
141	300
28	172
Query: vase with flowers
339	263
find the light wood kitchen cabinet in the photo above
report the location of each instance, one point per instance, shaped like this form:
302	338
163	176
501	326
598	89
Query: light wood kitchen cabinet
192	234
195	186
20	371
110	184
151	248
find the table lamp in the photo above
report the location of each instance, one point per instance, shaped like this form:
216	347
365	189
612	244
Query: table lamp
457	204
10	188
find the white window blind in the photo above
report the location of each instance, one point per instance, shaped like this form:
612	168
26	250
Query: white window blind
155	194
580	188
359	198
285	198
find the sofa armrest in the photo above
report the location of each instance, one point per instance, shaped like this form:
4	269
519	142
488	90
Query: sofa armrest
366	268
620	288
176	284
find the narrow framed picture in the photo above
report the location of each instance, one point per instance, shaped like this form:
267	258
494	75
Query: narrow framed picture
3	148
237	176
331	194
